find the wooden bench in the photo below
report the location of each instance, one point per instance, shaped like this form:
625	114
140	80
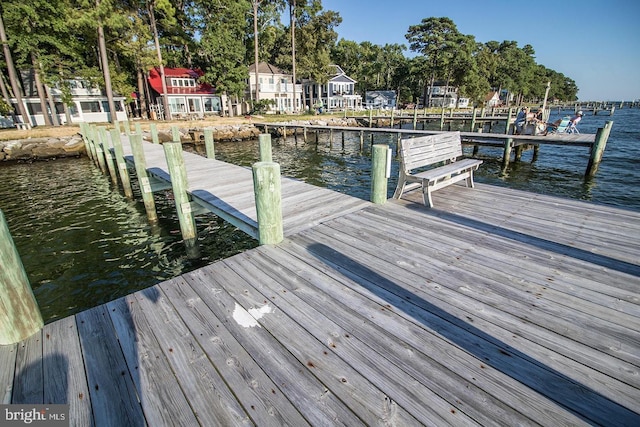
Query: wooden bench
425	153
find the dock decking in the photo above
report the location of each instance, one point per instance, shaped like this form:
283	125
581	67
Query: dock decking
497	307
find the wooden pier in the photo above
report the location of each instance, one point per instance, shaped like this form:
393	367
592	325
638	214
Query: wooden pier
496	307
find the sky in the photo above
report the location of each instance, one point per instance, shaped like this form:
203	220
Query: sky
594	42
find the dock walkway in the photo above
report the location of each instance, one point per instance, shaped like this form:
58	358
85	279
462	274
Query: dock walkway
497	307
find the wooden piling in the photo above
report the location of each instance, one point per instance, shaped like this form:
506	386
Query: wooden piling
304	133
597	150
121	164
473	120
264	142
175	134
108	155
153	128
442	119
268	194
506	156
415	118
379	177
99	150
175	163
361	140
143	177
91	138
20	316
209	144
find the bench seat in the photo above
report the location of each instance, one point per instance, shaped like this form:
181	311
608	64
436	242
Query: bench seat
421	152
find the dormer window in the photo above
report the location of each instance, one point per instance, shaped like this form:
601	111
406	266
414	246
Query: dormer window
178	82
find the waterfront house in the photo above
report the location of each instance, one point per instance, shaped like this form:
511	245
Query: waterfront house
443	95
275	85
380	99
492	99
89	103
337	94
187	98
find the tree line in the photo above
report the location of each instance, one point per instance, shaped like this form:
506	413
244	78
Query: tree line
114	43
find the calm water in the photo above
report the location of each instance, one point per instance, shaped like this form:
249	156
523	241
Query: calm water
83	243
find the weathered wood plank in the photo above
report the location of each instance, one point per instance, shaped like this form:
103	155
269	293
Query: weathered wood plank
65	380
207	393
160	395
28	381
315	402
536	375
8	364
250	384
113	396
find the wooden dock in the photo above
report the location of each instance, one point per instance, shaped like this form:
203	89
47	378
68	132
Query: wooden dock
497	307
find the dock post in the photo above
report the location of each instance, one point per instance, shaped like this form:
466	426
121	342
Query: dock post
380	164
473	120
21	316
284	131
92	144
154	133
99	150
264	141
442	119
85	132
506	157
175	163
415	118
393	110
597	150
143	177
361	140
138	127
613	109
330	138
304	133
121	164
208	143
175	134
108	155
268	194
371	118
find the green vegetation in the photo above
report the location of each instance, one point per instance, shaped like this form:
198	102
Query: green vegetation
65	39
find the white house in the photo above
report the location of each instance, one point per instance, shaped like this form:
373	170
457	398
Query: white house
492	99
89	103
380	99
337	94
276	85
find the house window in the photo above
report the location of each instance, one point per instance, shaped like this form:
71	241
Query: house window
194	105
177	105
34	108
211	105
90	106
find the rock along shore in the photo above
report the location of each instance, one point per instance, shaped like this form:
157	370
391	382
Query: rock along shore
73	146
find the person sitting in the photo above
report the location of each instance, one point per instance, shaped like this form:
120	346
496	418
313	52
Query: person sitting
521	120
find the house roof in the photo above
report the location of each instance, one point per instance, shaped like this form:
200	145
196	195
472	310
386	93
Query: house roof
491	95
265	68
200	89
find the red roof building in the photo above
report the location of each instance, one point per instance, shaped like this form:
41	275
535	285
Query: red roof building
186	96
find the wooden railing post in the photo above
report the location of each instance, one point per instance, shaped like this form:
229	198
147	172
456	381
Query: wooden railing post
175	134
143	177
264	141
175	162
153	128
268	194
597	150
208	143
20	316
121	164
108	155
380	158
99	150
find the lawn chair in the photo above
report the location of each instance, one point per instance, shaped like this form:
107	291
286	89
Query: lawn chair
572	128
562	127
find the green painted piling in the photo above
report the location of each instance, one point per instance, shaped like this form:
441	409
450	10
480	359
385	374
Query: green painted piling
209	144
20	316
84	131
178	172
153	128
121	164
393	110
99	150
506	156
175	134
442	119
379	178
268	194
361	140
264	141
597	150
138	127
143	177
370	118
91	139
415	118
473	120
108	154
304	133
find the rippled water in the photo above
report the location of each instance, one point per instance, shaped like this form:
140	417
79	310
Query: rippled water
83	243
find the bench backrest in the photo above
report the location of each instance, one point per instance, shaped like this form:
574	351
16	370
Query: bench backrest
430	149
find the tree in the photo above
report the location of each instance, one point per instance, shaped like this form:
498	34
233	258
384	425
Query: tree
13	77
435	39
